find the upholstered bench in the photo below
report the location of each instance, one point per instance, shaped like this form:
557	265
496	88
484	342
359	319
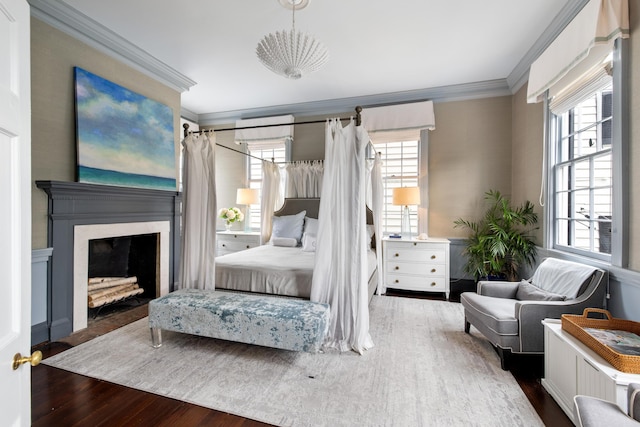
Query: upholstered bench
285	323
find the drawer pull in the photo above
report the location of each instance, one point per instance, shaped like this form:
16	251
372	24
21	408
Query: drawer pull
433	283
415	244
433	257
433	270
397	268
397	255
235	236
248	246
397	281
224	246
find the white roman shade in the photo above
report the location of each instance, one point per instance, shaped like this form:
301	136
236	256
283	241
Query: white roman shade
577	58
401	122
264	138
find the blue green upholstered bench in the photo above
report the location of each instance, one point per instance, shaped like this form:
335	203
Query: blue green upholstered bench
285	323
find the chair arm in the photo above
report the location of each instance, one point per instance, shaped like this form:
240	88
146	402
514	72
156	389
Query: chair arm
595	412
530	315
498	289
633	400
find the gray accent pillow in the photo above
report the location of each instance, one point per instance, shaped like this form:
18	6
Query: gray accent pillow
310	225
288	226
528	292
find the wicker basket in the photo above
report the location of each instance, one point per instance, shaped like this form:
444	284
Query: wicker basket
574	324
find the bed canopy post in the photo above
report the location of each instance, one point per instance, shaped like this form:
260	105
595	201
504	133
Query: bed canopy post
358	116
185	126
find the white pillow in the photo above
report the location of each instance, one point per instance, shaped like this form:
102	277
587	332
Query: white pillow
308	242
288	226
289	242
370	232
310	225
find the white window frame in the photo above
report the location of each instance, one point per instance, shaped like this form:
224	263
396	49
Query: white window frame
620	159
256	182
418	214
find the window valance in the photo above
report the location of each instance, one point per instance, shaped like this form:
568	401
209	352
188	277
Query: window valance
265	137
580	50
401	122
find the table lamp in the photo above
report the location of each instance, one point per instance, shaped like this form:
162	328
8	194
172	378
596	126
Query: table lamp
405	196
247	196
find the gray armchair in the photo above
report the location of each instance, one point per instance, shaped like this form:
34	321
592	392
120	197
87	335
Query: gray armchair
594	412
509	314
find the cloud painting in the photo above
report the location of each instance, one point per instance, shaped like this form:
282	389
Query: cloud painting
124	138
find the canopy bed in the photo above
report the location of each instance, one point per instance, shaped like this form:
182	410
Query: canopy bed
282	270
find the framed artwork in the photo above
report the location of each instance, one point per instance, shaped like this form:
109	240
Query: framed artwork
124	138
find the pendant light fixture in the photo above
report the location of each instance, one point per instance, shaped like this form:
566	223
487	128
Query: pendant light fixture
292	54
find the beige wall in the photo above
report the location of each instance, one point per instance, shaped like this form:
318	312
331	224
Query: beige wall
526	154
53	144
469	154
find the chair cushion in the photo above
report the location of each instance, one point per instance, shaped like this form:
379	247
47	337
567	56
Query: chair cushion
528	292
561	277
594	412
498	314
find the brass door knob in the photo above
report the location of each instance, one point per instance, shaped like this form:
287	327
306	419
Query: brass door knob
433	270
433	257
34	359
433	283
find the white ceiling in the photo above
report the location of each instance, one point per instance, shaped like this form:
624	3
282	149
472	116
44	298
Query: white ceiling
376	47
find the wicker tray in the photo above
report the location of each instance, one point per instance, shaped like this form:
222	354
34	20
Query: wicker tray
574	324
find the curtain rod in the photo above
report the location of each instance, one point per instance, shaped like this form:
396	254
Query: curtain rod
187	131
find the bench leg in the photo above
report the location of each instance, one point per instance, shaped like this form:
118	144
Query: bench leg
156	337
467	325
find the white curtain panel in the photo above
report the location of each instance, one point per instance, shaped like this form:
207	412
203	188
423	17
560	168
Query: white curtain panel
401	122
264	134
272	198
582	46
340	272
377	201
304	179
199	211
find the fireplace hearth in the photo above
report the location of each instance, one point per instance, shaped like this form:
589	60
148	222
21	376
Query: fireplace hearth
79	213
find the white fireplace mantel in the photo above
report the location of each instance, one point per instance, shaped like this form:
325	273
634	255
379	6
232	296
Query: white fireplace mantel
84	233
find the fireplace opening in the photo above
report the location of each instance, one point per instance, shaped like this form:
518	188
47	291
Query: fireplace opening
122	272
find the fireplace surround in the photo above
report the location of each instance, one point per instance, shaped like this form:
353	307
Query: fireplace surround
78	212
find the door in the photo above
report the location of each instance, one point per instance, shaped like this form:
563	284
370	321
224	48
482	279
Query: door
15	212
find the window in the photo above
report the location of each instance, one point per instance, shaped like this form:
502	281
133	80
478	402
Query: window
584	176
278	154
401	168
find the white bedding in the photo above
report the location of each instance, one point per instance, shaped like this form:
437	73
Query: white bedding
271	270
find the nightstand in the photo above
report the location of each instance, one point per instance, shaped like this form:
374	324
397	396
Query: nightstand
233	241
416	265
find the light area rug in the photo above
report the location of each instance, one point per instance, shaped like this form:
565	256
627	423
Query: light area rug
423	371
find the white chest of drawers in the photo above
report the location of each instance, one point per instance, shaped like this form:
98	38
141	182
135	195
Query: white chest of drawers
417	265
233	241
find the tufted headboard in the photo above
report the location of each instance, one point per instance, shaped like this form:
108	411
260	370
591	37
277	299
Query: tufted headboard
294	205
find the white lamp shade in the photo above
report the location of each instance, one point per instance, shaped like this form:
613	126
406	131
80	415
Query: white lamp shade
247	196
406	196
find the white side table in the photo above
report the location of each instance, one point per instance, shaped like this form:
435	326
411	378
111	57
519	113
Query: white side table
416	265
572	368
233	241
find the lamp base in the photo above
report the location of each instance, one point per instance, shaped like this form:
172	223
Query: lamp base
247	220
406	223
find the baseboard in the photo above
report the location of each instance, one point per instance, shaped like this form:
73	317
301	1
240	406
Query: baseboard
39	333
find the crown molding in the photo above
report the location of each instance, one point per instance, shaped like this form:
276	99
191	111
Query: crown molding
520	74
486	89
78	25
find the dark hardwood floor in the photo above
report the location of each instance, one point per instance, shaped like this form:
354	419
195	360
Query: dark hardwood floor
61	398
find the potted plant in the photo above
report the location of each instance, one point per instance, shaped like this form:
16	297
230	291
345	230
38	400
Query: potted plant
500	242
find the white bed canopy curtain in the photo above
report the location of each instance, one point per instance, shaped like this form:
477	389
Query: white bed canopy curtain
377	201
340	272
197	255
304	178
272	198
